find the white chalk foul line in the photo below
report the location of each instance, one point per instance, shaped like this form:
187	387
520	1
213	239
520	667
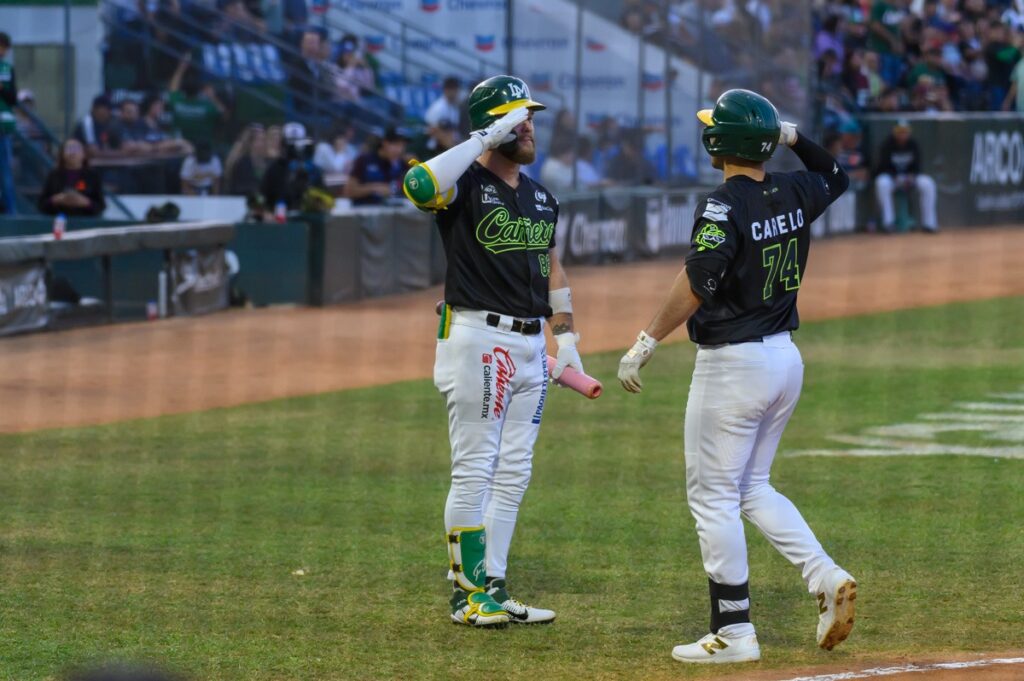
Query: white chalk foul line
909	669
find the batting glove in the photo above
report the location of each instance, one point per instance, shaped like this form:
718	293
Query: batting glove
500	131
788	134
568	355
632	361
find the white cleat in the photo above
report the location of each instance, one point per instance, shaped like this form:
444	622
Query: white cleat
715	649
521	613
836	609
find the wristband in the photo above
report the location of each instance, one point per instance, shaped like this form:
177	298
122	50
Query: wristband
560	300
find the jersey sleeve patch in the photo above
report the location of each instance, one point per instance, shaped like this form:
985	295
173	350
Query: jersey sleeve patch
709	237
716	211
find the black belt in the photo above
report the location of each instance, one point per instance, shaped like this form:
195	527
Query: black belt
530	327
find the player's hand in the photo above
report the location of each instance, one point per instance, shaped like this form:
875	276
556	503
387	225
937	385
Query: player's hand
500	131
568	355
787	135
632	361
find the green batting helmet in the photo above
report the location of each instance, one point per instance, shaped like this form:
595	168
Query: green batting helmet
742	124
495	97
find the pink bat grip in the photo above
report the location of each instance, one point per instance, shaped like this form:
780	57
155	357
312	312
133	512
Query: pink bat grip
587	386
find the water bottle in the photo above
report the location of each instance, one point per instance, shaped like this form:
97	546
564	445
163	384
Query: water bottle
59	224
281	211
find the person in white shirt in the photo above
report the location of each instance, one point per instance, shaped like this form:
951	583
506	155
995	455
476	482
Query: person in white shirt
201	172
336	156
447	107
556	172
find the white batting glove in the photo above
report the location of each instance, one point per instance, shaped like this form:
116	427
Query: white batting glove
500	131
787	135
568	355
632	361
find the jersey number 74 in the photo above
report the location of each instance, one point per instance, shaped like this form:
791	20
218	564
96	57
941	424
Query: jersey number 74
782	267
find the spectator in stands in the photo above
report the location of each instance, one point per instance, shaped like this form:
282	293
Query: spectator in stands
609	137
246	162
884	36
435	140
238	24
98	130
72	188
830	37
335	157
293	173
899	169
354	74
930	66
1013	17
565	125
196	110
855	21
377	176
556	173
8	98
587	175
1000	57
630	167
26	126
153	132
275	143
309	80
447	107
855	81
133	130
201	171
876	83
851	156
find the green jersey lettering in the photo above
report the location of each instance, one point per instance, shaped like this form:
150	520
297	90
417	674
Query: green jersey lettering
500	233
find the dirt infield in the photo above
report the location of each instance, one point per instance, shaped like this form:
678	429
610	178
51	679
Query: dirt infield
111	373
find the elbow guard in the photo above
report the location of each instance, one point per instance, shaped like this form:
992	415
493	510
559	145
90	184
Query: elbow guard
704	280
420	187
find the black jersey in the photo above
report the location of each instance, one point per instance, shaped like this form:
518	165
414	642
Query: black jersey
757	235
498	240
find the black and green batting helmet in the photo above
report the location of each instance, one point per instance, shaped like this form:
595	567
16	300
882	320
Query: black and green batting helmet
495	97
742	124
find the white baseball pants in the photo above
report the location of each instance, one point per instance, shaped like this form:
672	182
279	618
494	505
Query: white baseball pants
741	398
926	194
495	383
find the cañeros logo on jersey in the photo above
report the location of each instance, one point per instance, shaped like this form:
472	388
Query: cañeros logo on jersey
430	5
498	232
485	43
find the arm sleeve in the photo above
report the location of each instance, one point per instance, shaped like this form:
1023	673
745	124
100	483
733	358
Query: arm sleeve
434	185
827	180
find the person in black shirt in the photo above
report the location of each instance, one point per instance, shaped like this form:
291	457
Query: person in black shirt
738	295
72	188
503	280
899	167
376	176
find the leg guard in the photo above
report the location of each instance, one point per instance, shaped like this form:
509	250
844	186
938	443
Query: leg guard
730	604
466	551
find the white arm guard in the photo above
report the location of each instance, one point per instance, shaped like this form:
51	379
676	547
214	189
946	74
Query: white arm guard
448	167
560	300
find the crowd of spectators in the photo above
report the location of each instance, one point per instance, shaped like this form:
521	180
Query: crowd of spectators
919	55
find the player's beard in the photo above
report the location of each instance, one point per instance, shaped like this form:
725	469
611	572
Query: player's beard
518	151
718	162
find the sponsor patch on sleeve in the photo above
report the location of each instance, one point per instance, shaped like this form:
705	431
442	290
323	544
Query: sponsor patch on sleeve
716	211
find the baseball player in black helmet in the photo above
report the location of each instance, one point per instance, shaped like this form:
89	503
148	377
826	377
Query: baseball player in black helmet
503	283
737	294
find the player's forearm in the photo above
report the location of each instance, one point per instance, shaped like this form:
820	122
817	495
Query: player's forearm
426	181
560	298
816	159
678	307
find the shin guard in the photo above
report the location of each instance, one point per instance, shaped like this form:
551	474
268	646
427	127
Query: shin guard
466	552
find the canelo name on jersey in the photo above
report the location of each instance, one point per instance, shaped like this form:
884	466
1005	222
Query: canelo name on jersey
497	240
756	236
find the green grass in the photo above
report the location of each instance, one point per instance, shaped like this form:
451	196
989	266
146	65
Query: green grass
176	538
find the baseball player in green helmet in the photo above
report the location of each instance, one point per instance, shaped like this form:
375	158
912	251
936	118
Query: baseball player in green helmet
503	285
737	295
